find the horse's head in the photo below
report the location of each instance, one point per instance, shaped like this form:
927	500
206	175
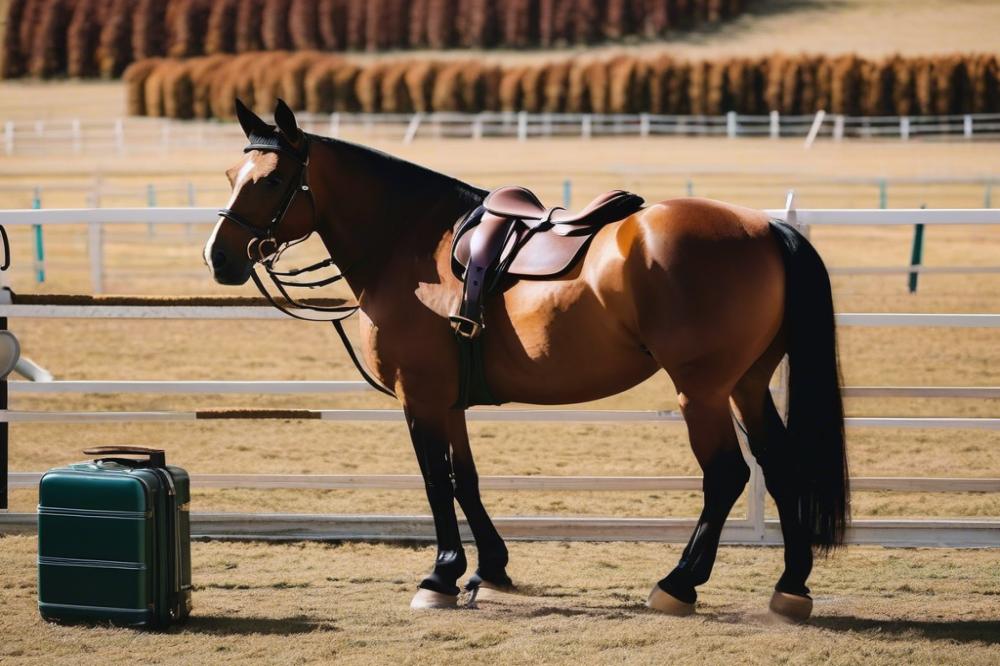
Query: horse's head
271	205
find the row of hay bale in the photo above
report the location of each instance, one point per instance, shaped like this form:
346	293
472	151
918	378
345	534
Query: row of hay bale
205	87
86	38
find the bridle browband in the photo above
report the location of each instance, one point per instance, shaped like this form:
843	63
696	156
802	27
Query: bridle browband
266	237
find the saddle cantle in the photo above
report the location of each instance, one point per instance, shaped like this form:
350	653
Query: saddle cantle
513	233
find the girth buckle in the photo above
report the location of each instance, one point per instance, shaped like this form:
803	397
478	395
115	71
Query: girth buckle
465	327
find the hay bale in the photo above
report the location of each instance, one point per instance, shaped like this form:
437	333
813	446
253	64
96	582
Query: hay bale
876	86
984	78
220	36
332	24
233	80
698	87
82	37
203	72
345	88
419	79
148	36
153	89
266	73
555	87
510	88
925	85
476	23
394	96
904	86
368	87
318	85
249	15
303	25
293	74
178	90
114	50
12	62
134	78
187	27
846	93
577	95
532	83
954	89
357	13
274	25
626	86
774	78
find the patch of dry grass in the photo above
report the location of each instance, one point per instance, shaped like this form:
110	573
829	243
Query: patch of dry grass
580	602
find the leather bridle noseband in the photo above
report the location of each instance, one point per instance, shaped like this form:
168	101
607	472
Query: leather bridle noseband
266	237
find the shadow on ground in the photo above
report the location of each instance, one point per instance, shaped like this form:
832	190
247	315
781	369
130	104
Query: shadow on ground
245	626
960	631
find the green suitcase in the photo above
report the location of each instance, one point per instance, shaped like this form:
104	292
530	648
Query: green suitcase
114	540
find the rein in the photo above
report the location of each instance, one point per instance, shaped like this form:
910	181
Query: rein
265	237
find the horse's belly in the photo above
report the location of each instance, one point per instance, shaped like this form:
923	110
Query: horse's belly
555	343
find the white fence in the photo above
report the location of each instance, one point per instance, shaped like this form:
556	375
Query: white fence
754	528
96	220
142	135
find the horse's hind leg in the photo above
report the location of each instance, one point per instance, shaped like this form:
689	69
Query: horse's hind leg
769	443
716	447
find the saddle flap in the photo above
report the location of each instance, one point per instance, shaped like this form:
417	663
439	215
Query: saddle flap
515	202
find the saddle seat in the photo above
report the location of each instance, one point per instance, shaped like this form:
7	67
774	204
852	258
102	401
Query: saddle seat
513	234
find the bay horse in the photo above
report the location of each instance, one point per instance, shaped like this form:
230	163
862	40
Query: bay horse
713	294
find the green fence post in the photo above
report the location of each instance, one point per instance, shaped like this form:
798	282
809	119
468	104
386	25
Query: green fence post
151	202
988	196
567	193
883	193
690	187
36	203
917	253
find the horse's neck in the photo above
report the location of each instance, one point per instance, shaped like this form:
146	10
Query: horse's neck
368	205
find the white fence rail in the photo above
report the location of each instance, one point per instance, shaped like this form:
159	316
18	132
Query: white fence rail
97	218
143	135
755	528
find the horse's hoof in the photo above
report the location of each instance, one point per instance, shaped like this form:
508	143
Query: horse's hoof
487	591
667	603
429	599
791	607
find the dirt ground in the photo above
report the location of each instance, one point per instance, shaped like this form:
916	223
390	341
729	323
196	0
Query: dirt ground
579	602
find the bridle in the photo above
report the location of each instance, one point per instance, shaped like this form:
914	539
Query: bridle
264	238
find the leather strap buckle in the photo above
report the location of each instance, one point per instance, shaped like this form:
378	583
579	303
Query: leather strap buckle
465	327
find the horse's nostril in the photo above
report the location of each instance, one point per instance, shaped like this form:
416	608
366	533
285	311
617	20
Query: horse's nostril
218	258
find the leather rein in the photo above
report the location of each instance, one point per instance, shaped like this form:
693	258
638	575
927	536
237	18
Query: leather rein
265	238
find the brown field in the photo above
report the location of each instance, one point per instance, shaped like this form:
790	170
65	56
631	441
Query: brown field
298	602
580	602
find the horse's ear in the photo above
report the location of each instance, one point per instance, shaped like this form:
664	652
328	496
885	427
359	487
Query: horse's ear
285	119
249	120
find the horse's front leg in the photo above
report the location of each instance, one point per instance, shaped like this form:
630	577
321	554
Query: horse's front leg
429	434
492	551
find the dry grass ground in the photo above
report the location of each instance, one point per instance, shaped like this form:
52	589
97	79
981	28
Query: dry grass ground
580	602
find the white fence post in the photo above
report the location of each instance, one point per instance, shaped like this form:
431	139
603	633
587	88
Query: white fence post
8	137
838	127
967	126
586	126
644	125
904	128
95	248
775	126
814	129
334	124
412	128
477	127
120	135
522	125
731	128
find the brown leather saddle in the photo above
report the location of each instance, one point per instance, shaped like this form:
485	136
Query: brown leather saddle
513	234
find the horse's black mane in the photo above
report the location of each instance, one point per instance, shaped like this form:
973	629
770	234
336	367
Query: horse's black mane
411	175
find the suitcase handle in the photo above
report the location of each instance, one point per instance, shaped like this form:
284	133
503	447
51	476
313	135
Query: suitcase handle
156	457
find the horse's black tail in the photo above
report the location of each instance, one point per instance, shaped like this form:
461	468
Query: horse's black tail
815	409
